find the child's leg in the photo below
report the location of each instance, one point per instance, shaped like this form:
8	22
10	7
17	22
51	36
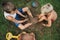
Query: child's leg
22	27
26	9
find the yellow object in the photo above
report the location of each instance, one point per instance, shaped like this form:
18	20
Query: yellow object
10	36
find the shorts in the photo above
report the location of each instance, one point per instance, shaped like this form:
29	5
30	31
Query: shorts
18	17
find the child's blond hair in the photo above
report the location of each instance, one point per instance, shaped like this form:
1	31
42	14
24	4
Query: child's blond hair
46	8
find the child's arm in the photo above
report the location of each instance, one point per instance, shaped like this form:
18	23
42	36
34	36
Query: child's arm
49	20
41	15
42	18
14	20
49	23
20	13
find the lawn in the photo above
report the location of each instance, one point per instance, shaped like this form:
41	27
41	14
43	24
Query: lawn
42	33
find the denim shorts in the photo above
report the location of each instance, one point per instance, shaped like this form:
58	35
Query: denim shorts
18	17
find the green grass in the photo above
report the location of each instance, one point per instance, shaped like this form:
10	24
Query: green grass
42	33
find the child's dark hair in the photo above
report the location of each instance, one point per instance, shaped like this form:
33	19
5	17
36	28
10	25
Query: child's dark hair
8	7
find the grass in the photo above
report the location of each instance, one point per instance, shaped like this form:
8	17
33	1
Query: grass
42	33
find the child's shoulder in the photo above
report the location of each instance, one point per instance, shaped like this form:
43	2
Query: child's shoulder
6	12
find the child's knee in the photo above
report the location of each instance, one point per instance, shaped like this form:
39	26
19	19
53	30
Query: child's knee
25	9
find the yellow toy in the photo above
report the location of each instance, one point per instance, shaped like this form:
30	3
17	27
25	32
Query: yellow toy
10	36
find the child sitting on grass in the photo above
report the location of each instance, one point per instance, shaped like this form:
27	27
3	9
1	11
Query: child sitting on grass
48	14
15	15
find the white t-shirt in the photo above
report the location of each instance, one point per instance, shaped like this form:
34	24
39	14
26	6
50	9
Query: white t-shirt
7	14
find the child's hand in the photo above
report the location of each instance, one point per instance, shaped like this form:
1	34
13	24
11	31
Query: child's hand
44	24
22	21
26	16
